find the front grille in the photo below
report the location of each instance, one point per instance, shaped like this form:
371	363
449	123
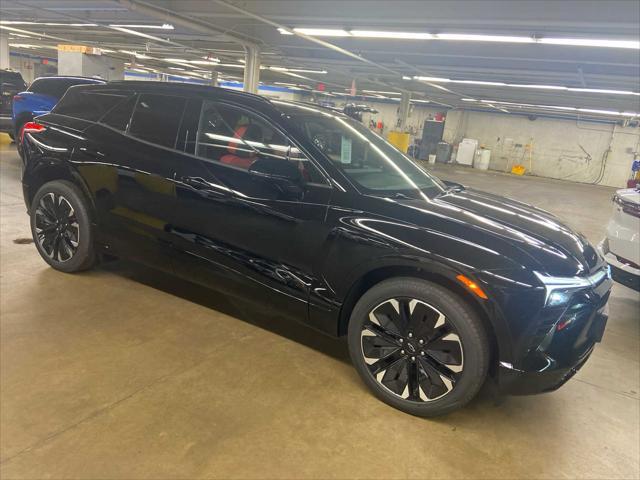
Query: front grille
628	207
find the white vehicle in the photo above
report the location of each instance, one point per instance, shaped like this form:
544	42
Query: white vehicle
621	246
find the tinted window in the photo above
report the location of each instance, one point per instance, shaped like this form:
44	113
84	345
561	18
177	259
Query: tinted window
235	137
87	104
56	87
156	119
120	115
366	158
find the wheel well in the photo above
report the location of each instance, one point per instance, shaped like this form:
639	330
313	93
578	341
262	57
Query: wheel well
42	176
376	276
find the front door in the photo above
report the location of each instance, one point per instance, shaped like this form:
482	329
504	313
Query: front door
239	231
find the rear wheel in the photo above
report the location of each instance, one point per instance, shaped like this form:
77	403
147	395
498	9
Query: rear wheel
418	346
61	227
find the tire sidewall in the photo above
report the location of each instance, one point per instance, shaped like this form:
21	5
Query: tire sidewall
84	256
466	322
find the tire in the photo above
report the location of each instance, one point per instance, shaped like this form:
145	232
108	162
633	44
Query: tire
61	227
418	346
11	135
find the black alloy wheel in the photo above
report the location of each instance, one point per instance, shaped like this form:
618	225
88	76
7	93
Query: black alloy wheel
61	226
412	350
418	346
57	228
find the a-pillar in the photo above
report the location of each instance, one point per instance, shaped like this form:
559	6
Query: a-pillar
403	112
251	69
85	62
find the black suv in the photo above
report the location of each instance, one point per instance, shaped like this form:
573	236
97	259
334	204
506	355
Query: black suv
304	211
10	84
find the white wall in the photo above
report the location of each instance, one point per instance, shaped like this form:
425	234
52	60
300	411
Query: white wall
563	149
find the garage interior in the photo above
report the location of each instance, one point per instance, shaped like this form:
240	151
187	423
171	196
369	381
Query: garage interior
123	372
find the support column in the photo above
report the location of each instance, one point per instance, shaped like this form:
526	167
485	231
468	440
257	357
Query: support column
80	63
251	69
4	51
214	78
403	113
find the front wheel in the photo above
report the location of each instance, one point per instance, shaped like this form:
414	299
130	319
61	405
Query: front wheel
61	227
418	346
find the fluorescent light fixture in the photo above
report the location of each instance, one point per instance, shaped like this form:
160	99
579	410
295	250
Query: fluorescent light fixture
382	92
231	65
541	87
418	100
177	68
578	42
135	54
483	38
562	108
164	26
29	45
591	42
518	85
212	61
432	79
48	24
298	70
405	77
468	99
391	35
480	82
323	32
603	90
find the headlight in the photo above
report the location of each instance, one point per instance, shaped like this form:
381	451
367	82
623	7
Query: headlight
559	290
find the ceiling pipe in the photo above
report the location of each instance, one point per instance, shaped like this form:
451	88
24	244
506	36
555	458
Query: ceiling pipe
310	38
187	22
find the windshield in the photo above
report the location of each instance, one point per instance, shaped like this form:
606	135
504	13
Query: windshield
374	165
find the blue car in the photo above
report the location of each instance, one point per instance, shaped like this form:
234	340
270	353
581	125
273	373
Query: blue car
41	97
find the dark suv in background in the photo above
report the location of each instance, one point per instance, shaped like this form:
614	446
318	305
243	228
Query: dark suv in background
305	212
11	83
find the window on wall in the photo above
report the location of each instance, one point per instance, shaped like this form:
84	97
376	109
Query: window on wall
157	118
236	137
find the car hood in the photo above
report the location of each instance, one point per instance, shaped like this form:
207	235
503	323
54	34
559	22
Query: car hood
556	248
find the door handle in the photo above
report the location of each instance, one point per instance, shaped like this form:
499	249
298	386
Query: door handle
199	183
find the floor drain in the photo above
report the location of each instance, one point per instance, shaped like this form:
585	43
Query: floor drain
23	241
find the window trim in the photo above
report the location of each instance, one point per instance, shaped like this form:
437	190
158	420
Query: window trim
276	127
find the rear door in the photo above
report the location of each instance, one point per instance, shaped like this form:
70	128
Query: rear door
128	165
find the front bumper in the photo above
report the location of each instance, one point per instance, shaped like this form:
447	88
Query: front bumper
559	345
621	272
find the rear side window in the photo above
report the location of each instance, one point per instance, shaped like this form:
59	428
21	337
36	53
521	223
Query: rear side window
56	87
120	115
87	104
156	119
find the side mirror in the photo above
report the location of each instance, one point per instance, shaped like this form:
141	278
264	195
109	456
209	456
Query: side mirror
284	175
453	185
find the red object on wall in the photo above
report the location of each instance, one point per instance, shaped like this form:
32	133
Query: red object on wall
439	117
45	61
320	87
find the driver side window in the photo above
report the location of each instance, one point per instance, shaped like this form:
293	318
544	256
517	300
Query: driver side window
237	138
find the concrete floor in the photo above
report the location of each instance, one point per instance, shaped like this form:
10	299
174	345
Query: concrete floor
125	373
